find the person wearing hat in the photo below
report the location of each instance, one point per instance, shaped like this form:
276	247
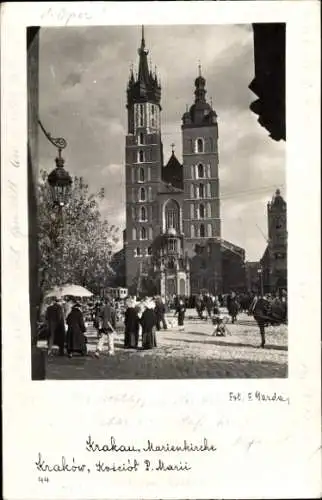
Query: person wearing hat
108	318
56	326
180	310
149	323
132	323
76	340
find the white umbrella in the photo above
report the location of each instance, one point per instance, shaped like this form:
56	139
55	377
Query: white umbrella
74	290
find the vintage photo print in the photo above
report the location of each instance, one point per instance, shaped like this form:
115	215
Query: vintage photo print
159	176
161	211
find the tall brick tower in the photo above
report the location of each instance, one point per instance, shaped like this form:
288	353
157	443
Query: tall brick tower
201	210
277	235
144	160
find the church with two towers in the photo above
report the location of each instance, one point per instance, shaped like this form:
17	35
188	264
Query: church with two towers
172	241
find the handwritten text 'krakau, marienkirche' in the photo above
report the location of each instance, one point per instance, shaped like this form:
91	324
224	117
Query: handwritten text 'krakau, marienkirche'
140	458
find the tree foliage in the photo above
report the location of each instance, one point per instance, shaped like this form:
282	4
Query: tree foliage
75	243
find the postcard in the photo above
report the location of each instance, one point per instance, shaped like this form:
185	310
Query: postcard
160	257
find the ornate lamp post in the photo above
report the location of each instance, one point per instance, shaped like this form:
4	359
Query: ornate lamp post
59	179
60	182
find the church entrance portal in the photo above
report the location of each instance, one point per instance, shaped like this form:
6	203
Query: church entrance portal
171	287
182	287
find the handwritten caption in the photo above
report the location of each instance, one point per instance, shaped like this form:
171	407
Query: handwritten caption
104	457
258	396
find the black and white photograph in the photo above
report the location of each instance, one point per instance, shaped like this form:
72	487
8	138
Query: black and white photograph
160	201
160	164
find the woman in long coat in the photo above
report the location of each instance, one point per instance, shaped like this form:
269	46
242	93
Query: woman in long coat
132	323
76	340
180	310
149	323
232	306
56	326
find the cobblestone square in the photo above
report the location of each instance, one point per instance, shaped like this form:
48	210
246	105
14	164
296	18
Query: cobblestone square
194	353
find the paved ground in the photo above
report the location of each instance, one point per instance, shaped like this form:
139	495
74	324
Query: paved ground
194	353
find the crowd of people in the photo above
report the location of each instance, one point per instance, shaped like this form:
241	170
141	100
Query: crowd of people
65	324
66	320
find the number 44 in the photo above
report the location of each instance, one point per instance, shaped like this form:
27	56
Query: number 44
43	479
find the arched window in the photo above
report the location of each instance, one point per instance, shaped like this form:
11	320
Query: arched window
172	215
141	111
149	250
201	191
143	233
202	211
199	146
202	230
153	116
138	252
142	195
201	171
141	174
141	156
143	214
141	138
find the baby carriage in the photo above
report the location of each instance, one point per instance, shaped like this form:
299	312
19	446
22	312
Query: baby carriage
220	322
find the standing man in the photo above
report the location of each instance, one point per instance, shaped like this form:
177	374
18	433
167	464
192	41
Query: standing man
260	309
199	304
56	326
108	318
208	304
232	306
160	314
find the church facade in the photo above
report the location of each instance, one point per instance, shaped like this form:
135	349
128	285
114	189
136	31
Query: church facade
172	242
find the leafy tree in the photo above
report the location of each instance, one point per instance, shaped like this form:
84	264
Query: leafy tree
75	243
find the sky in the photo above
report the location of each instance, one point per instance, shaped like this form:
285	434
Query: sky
83	74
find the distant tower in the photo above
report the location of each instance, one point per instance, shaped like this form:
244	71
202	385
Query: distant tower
201	212
144	160
277	235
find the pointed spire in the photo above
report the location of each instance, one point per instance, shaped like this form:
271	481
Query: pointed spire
200	92
145	85
144	76
142	38
172	148
199	68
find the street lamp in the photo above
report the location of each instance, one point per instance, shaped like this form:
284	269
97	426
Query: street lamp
59	179
60	183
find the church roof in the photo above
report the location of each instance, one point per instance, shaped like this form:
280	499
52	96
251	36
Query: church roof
227	246
172	172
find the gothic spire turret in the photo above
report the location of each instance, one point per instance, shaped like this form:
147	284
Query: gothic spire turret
200	91
145	87
144	74
201	113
